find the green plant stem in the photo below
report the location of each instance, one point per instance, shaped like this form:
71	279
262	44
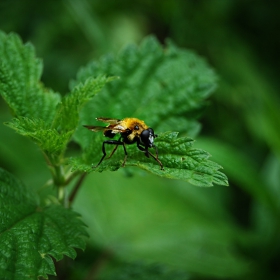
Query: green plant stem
59	175
76	188
61	194
70	177
62	180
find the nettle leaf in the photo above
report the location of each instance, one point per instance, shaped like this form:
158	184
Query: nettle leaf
53	138
30	235
40	113
48	139
165	87
20	86
179	158
67	113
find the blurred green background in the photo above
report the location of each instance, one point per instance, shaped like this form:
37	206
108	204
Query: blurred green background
142	226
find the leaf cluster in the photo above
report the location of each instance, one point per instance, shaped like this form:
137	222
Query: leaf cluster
30	234
167	87
41	114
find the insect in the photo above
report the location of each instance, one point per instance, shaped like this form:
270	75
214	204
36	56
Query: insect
131	131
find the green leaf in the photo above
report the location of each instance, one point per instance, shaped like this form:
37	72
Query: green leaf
67	113
48	139
166	87
54	138
20	86
179	158
39	113
30	235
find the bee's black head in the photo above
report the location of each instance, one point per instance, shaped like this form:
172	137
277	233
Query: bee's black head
147	137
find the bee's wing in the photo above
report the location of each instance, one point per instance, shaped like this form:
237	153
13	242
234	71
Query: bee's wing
108	120
114	128
95	128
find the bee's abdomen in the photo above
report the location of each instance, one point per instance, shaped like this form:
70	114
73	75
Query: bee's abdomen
109	133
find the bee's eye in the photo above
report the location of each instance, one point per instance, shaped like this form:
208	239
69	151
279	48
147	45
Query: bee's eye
136	127
147	137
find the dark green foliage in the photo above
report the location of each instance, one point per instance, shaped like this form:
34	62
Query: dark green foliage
138	271
167	87
158	85
42	115
20	86
31	234
47	138
211	233
164	86
67	113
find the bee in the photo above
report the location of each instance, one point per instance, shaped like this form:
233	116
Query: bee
131	131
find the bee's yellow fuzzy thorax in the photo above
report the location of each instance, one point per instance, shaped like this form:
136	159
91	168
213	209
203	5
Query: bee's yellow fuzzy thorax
132	122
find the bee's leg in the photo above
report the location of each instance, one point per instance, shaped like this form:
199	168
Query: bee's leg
111	142
147	153
156	151
113	152
156	158
142	149
114	149
125	157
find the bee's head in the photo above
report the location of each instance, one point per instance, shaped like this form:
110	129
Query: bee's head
147	137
